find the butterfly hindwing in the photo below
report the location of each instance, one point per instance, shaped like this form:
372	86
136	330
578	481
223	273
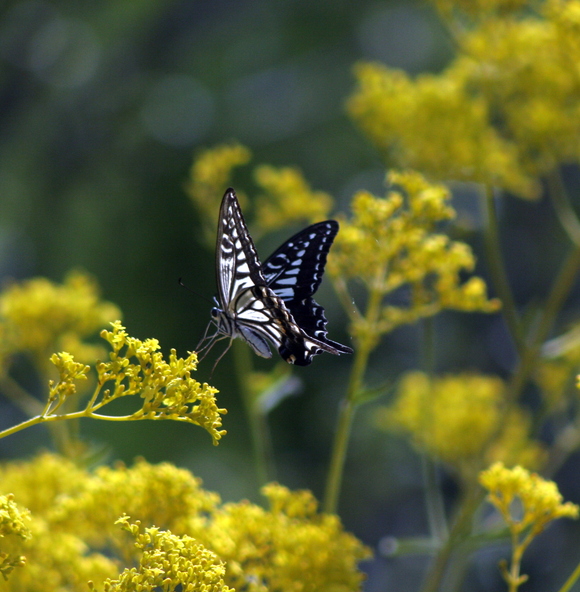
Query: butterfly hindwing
258	303
294	272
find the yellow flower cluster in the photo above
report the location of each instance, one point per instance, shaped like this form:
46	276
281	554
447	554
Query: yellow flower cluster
289	546
288	199
504	112
39	317
209	176
168	560
454	418
541	502
136	367
390	244
13	522
527	503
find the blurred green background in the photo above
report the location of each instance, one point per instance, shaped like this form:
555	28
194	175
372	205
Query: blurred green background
103	106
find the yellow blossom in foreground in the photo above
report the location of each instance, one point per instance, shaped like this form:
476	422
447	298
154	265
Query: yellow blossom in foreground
135	368
168	562
289	546
13	522
454	417
209	176
390	243
39	317
162	494
288	199
527	503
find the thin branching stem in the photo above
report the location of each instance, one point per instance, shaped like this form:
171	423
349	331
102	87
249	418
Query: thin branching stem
257	421
348	403
433	495
562	206
497	269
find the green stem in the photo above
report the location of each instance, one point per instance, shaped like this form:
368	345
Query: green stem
571	580
257	421
433	496
348	406
559	293
460	529
497	269
27	403
562	206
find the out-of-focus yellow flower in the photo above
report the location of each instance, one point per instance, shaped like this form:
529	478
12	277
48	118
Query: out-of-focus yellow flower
288	199
288	546
390	244
14	521
162	494
168	562
39	317
528	504
210	175
437	125
504	112
454	417
479	9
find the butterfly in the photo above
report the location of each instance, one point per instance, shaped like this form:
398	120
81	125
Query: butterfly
271	302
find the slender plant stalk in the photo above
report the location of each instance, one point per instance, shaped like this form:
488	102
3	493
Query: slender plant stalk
497	269
562	206
348	405
460	529
530	349
259	430
433	496
571	580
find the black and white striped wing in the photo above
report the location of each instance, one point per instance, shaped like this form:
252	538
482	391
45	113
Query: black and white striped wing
294	272
248	307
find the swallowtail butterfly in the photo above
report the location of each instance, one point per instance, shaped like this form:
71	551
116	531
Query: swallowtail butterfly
272	302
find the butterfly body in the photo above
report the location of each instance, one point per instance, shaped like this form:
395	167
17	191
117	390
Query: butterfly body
271	303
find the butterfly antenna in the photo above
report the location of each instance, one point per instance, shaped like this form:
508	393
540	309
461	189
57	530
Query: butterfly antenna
180	282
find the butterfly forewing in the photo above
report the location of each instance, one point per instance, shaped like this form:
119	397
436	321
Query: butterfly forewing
237	263
260	303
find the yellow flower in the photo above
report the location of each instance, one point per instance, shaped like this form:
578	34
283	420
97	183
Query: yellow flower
39	317
210	175
454	417
168	561
528	504
289	546
540	499
390	244
14	521
504	112
437	125
288	199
